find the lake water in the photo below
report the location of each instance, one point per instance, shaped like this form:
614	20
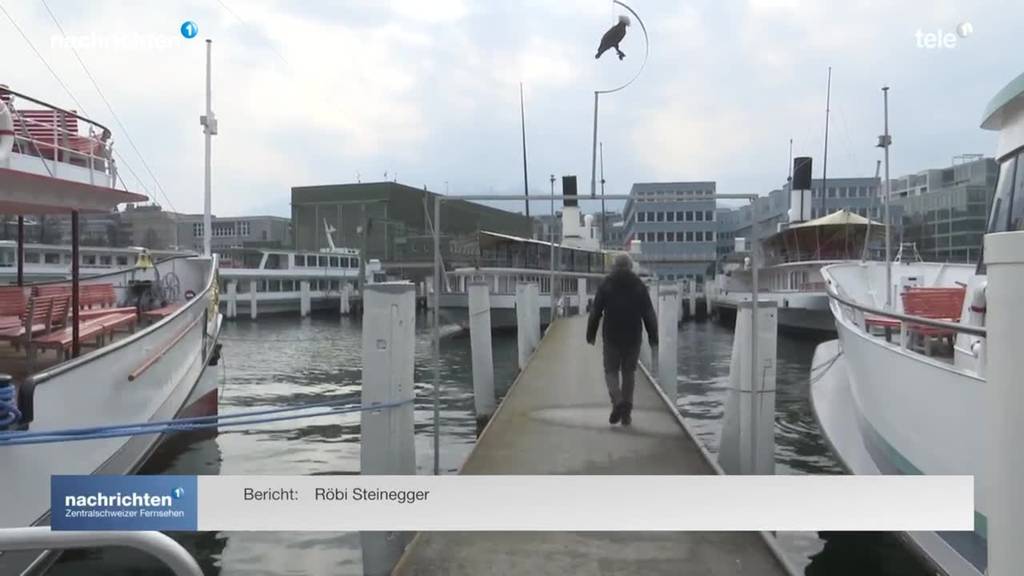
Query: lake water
280	361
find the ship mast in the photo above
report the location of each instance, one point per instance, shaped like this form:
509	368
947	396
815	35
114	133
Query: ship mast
209	123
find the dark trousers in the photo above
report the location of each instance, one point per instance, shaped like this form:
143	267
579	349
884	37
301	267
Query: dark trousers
620	360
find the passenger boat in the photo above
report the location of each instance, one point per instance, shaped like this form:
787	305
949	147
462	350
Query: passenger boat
791	273
136	344
53	261
504	261
902	389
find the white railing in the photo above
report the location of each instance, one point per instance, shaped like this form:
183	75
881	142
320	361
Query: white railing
161	546
93	152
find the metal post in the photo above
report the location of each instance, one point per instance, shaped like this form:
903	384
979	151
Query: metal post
552	311
76	346
209	129
526	180
480	344
581	296
755	293
888	220
593	155
1004	402
604	216
21	250
824	169
437	335
362	248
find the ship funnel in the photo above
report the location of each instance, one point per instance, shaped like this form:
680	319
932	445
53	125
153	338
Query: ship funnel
6	131
800	190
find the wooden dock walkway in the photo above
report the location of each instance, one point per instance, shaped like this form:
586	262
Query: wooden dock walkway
554	420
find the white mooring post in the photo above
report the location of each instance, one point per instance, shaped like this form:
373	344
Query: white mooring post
668	334
524	335
680	294
387	448
534	291
748	430
232	299
581	295
693	304
252	299
1004	501
304	298
480	344
646	357
345	306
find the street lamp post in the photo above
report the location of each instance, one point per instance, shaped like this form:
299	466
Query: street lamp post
597	94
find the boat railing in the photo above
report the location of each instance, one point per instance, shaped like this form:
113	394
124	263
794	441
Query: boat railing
161	546
53	135
855	312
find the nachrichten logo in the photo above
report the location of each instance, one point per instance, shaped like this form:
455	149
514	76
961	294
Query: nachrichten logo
133	499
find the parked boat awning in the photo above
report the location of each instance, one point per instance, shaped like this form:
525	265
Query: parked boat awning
838	218
27	193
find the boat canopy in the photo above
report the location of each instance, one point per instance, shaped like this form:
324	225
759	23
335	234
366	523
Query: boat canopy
841	235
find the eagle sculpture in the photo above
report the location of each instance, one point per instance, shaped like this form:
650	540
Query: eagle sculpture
613	36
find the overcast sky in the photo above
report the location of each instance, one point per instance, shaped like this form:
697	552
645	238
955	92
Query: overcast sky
318	92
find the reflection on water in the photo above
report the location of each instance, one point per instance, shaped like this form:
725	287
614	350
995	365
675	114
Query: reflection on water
283	361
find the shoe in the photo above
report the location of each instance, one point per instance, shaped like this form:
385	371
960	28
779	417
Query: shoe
627	414
616	414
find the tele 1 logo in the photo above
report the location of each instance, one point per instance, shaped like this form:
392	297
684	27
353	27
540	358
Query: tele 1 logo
943	40
189	29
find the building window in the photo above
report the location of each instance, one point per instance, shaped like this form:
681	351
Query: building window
689	236
679	216
700	216
670	217
197	229
709	215
122	260
689	216
661	237
670	236
710	235
661	216
243	228
641	216
831	192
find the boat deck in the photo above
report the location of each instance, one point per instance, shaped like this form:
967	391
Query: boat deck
555	421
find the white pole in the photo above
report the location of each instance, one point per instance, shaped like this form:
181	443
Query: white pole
437	335
581	295
1004	501
304	298
209	123
252	298
593	154
748	429
346	305
646	354
533	308
524	334
387	447
480	344
232	299
668	334
888	221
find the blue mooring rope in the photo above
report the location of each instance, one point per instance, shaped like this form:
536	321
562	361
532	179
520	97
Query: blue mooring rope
9	413
186	424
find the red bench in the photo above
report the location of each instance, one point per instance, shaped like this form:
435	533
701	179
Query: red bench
94	300
943	304
12	306
92	331
42	313
162	312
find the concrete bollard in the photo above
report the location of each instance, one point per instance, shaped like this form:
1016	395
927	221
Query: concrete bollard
304	298
480	344
533	307
387	447
524	335
1004	460
748	429
668	335
252	299
693	305
581	295
345	306
680	292
232	299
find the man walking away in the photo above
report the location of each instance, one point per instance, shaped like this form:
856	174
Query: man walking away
624	302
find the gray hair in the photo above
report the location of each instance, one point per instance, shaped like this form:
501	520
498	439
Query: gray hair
622	262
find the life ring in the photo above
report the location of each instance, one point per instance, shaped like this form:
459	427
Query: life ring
189	294
6	131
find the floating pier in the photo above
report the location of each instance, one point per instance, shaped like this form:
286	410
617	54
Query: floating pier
554	420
